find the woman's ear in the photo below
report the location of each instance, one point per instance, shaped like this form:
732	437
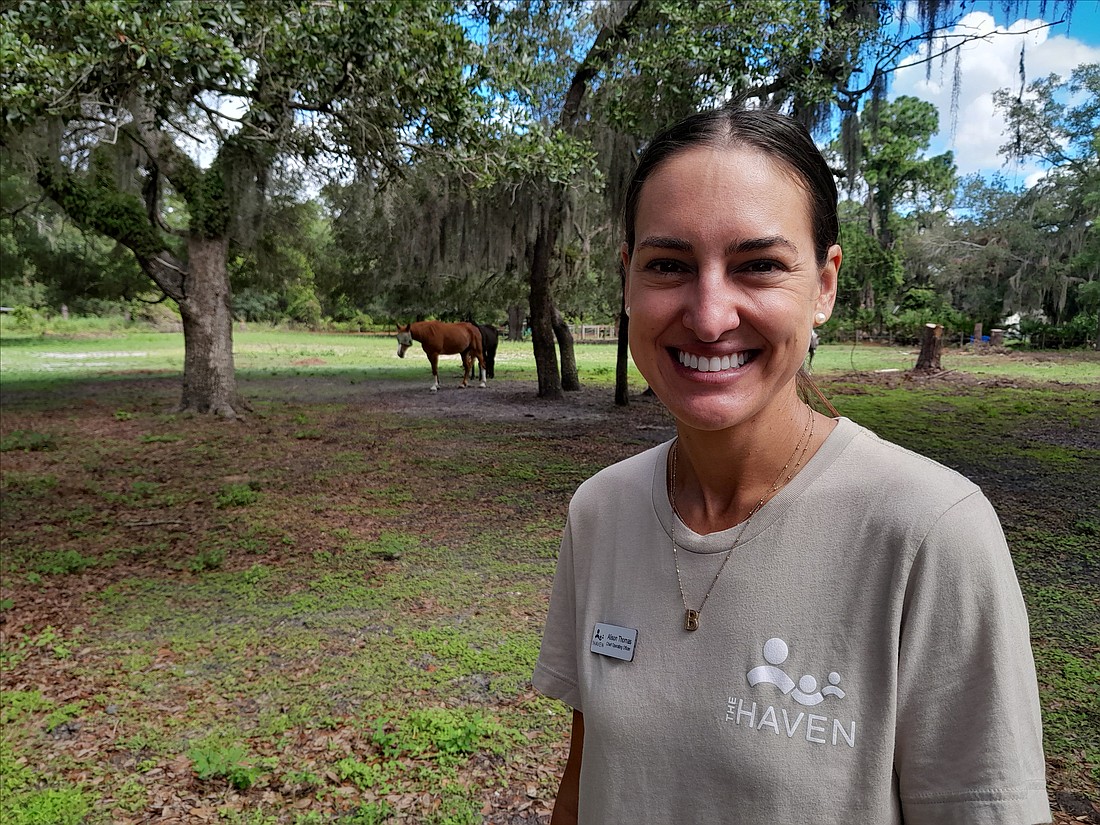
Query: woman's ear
826	295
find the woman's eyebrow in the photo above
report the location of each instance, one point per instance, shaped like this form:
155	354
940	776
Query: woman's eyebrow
756	244
665	242
735	248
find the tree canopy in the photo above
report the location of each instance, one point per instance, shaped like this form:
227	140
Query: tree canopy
102	101
341	160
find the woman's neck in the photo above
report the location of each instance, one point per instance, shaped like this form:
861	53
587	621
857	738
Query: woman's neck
722	477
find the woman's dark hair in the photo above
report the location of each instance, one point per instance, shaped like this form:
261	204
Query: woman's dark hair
774	134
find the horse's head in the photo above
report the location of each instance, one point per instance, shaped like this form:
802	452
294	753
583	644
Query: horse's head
404	339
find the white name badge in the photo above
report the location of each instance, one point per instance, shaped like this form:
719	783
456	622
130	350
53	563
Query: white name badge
614	641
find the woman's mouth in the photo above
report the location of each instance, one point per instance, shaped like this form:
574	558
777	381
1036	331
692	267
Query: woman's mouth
716	363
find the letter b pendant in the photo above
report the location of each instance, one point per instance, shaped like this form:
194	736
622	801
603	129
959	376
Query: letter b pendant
691	620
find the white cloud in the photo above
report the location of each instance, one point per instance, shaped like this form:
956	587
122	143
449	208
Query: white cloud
987	65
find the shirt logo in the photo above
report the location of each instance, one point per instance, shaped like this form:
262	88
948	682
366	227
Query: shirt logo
789	723
805	692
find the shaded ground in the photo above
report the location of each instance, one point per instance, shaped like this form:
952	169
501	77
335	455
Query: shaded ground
357	552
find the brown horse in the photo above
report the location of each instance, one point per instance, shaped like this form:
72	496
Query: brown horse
439	338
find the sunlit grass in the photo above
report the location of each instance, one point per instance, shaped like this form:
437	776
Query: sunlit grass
264	351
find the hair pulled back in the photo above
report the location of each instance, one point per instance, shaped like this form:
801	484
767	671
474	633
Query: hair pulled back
774	134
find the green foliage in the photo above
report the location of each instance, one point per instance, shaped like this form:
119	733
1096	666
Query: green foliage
56	806
28	441
62	715
447	735
47	261
895	136
237	495
372	776
16	703
870	272
303	305
54	641
1050	233
60	562
252	303
1079	331
28	318
370	813
210	558
28	485
218	760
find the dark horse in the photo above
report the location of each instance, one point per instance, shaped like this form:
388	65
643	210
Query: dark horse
439	338
489	338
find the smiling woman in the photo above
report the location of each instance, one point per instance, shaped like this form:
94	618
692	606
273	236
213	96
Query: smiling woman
768	549
722	307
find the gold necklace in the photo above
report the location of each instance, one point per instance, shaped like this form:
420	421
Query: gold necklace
691	617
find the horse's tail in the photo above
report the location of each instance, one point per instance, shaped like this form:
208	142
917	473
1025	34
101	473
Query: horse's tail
489	339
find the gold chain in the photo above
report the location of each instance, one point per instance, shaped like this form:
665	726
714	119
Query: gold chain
691	617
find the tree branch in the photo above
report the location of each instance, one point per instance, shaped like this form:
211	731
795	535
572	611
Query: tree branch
601	49
879	71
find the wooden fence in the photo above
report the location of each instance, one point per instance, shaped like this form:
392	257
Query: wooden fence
588	333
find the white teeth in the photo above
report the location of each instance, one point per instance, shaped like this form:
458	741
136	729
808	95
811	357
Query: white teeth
715	364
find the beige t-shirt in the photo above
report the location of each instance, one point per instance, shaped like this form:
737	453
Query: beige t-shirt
864	658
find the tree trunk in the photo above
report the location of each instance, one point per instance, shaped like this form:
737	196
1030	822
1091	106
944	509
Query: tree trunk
931	346
200	287
209	380
622	353
542	307
622	365
515	322
570	379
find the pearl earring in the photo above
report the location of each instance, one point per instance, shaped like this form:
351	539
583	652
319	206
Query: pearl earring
820	318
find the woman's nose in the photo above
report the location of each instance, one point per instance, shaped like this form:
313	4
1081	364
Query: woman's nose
712	308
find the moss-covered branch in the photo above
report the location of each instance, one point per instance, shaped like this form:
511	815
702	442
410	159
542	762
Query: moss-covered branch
99	205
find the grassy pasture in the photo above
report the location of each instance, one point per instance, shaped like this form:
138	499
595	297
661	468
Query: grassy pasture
261	351
292	620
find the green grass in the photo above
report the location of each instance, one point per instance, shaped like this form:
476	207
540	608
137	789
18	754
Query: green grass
31	362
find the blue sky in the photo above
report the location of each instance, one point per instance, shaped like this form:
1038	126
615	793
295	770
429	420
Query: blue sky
993	63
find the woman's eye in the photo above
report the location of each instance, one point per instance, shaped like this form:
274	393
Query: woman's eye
666	266
763	266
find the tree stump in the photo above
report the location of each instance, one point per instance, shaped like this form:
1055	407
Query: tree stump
931	347
996	338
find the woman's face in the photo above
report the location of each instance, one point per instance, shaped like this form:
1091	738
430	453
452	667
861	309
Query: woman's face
723	285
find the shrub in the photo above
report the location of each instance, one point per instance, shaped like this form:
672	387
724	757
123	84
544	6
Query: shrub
1080	331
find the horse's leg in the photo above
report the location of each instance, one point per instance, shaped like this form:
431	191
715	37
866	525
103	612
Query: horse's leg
467	366
480	352
434	359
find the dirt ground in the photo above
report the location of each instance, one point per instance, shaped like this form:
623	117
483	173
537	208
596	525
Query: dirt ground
589	415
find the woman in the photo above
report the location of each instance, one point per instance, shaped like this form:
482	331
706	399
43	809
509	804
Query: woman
776	617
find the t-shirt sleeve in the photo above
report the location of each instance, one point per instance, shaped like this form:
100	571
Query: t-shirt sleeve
969	738
556	669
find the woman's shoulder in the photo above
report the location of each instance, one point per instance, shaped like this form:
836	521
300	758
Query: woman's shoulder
874	463
628	476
